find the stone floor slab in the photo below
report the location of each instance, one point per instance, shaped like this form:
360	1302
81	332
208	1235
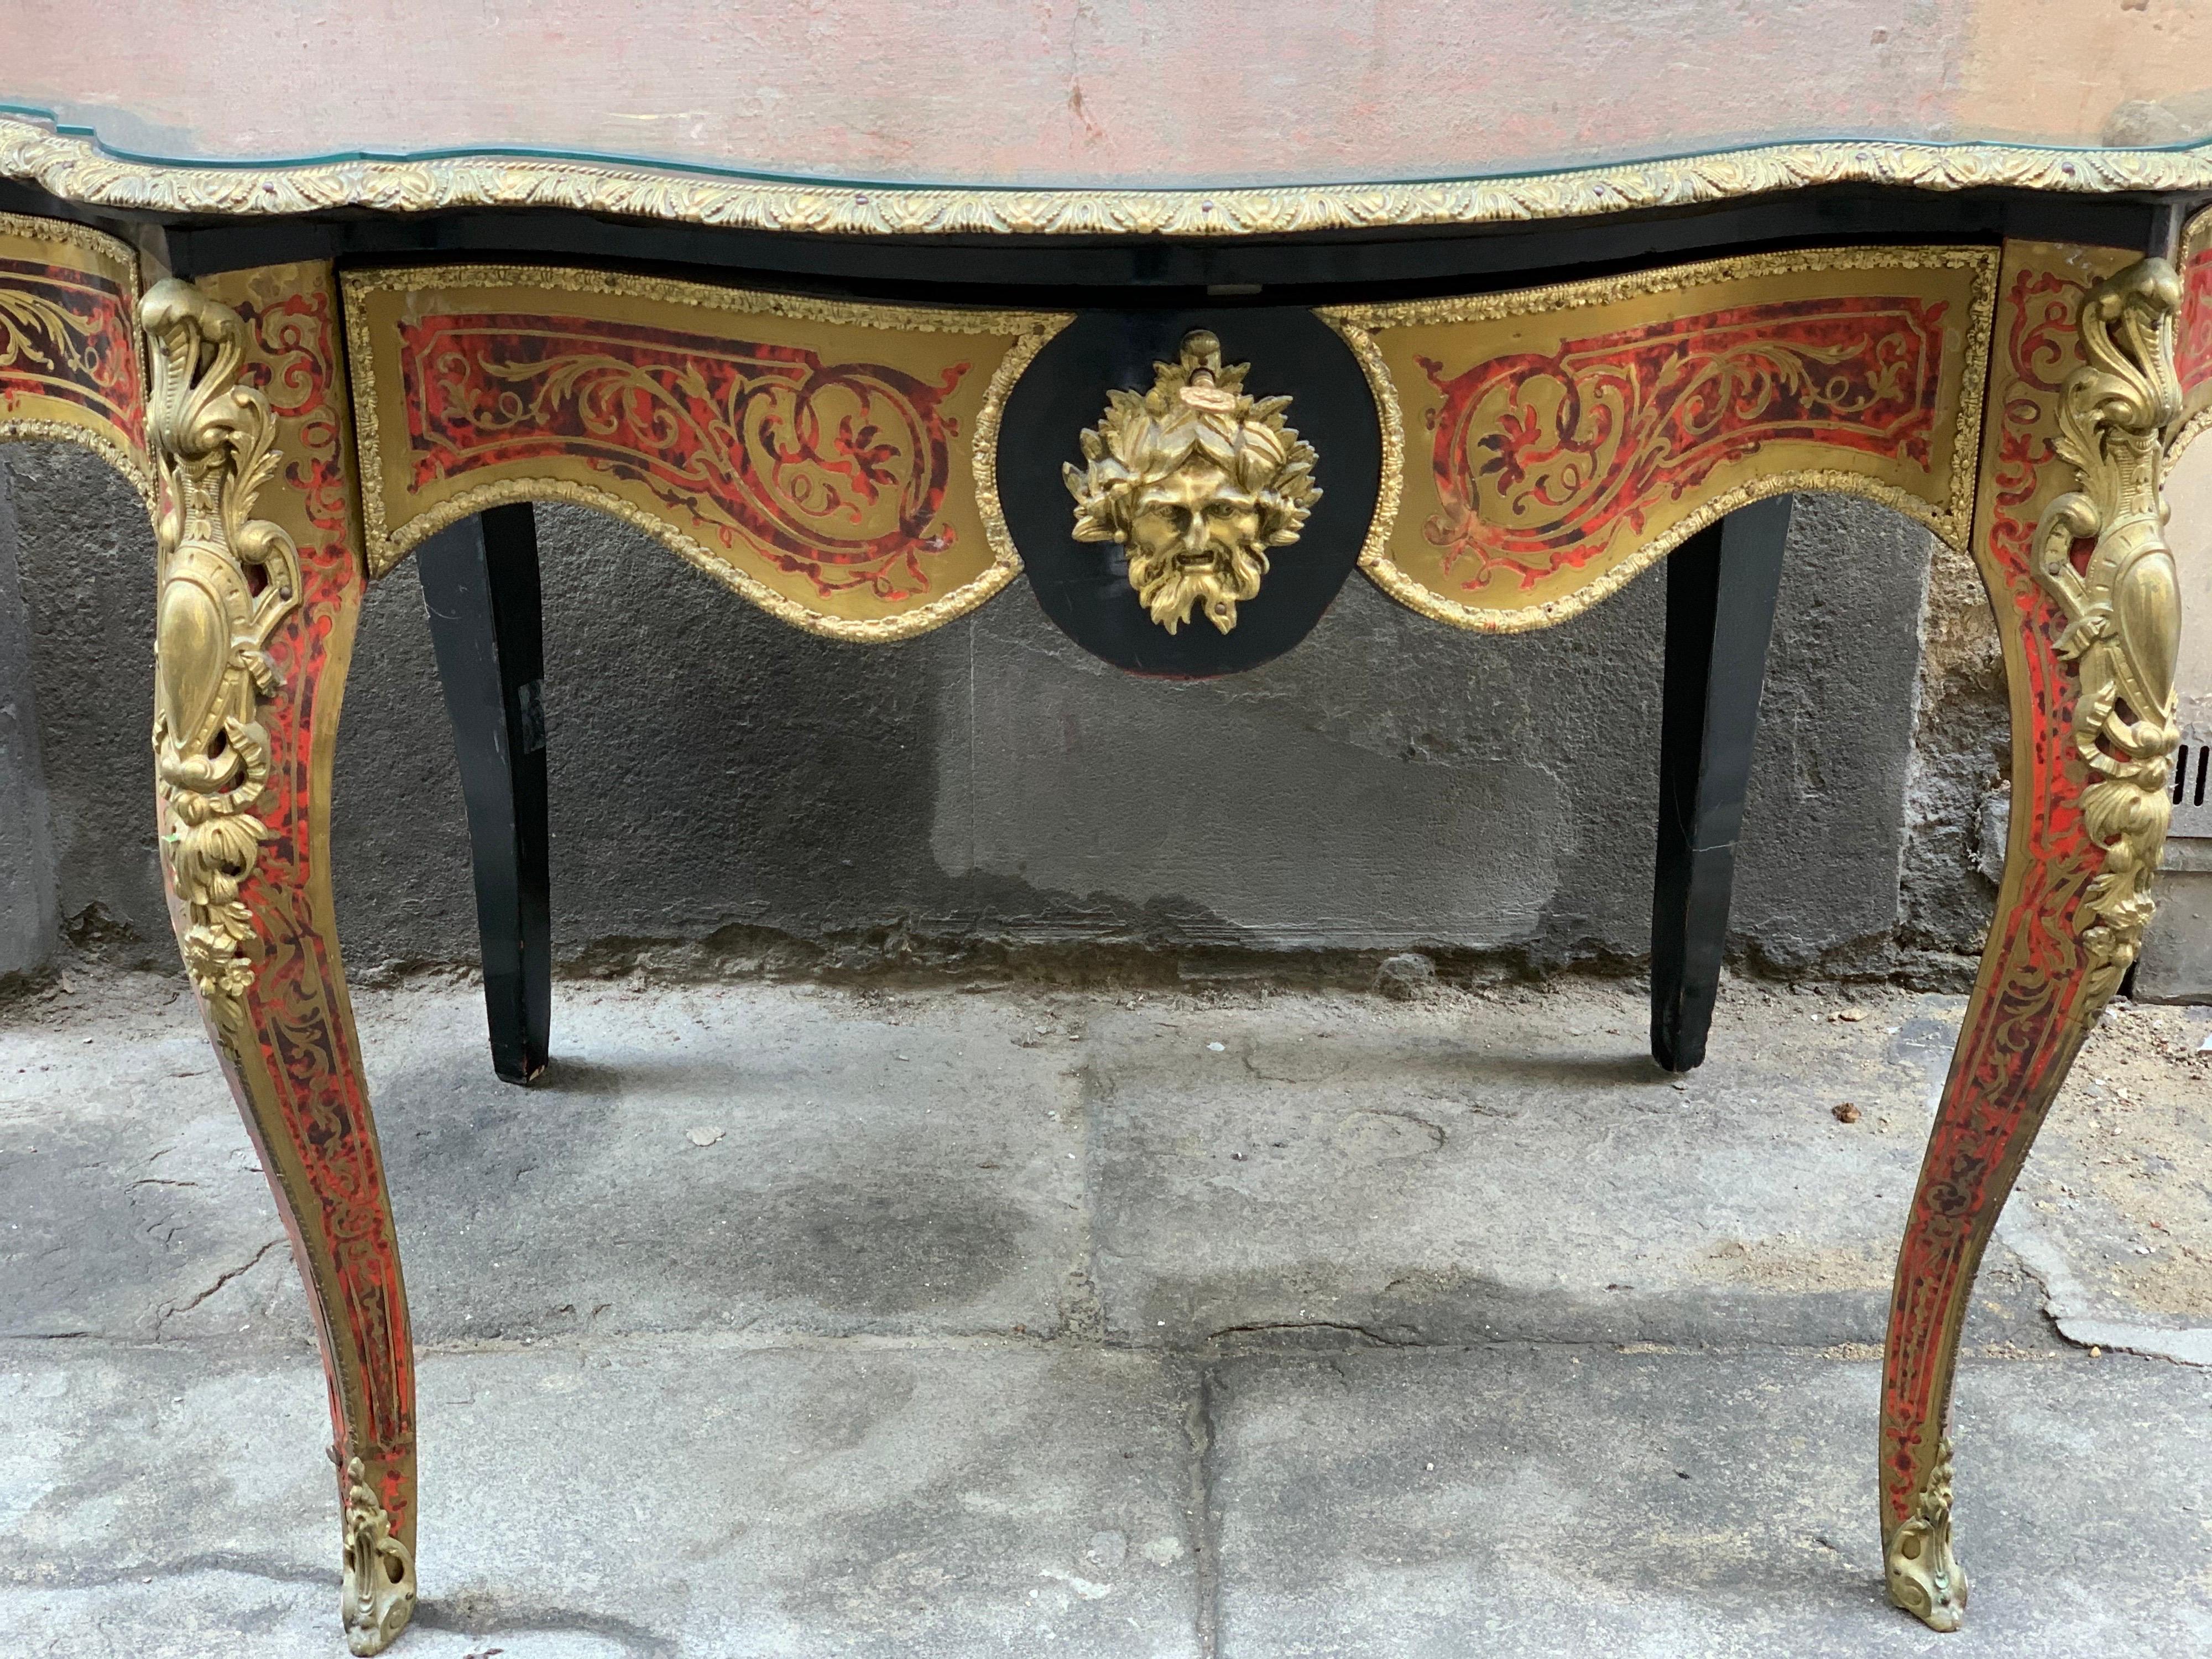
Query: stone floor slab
893	1165
1512	1166
1531	1503
697	1497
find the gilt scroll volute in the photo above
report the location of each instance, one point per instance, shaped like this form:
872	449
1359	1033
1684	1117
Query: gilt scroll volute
2101	551
228	580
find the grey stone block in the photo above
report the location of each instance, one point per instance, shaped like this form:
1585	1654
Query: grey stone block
2176	965
1541	1503
750	1335
605	1501
1347	1169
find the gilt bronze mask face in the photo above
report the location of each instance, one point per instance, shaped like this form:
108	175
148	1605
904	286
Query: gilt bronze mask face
1197	480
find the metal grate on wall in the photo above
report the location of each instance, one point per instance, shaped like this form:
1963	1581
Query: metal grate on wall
2192	787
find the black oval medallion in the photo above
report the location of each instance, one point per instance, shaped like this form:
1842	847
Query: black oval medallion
1083	587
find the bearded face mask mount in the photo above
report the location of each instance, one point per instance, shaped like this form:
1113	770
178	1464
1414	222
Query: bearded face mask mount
1197	480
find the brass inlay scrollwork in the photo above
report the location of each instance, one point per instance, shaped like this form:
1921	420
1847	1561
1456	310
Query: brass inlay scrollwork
227	579
2192	343
2122	603
70	367
376	1597
835	462
1925	1578
1197	479
1556	441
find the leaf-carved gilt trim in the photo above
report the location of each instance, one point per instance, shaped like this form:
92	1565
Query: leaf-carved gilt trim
227	579
1920	1569
376	1591
78	169
2100	552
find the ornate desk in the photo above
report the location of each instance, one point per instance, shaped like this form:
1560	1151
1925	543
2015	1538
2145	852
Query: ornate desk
1178	364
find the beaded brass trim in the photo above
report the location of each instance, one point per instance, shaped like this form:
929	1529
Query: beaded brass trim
97	243
1951	520
555	478
78	170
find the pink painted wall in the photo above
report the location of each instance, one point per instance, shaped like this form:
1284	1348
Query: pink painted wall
1100	92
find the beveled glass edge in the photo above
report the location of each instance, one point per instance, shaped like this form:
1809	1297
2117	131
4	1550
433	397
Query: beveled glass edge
76	168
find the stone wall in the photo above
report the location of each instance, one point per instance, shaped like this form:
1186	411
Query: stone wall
726	789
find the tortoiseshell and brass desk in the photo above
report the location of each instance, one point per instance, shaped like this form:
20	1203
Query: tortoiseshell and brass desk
1183	416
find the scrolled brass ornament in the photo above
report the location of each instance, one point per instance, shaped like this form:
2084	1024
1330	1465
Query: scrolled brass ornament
1924	1576
376	1595
1197	479
2122	604
227	579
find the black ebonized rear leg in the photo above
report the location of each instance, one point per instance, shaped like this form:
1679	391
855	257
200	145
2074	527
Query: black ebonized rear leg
480	582
1720	587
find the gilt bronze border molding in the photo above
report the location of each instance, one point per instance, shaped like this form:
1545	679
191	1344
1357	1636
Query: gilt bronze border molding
80	170
393	525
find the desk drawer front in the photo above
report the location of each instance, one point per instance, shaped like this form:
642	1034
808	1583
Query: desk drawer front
832	462
70	362
1555	441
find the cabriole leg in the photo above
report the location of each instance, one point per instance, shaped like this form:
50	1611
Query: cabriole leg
2069	539
1720	588
480	584
260	588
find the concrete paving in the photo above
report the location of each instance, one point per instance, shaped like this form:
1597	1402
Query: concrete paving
793	1321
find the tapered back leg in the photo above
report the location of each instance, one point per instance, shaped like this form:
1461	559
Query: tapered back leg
1720	588
480	583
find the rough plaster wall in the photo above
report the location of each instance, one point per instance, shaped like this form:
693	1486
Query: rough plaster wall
85	559
1821	866
1960	783
26	849
719	776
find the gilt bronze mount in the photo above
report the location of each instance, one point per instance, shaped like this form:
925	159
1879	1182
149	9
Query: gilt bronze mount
1197	479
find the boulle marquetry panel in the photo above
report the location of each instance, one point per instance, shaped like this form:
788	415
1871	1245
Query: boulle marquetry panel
833	462
1554	441
70	362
